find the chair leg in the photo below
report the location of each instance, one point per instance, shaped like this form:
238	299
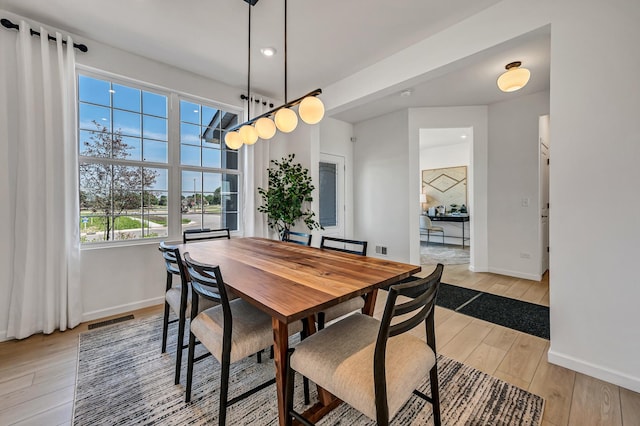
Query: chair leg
165	327
428	236
435	395
224	389
290	385
190	356
442	237
180	345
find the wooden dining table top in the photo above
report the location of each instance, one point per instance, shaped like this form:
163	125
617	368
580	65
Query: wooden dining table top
290	281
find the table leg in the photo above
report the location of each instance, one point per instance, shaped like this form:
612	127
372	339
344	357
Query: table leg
280	347
370	302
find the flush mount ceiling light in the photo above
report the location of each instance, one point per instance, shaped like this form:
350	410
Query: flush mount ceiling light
283	118
515	78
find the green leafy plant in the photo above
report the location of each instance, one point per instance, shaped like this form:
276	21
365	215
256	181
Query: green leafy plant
287	198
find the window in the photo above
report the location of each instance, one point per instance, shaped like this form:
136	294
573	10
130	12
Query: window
209	171
126	162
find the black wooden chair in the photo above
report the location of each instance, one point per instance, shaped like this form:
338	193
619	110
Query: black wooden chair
351	305
177	299
231	330
352	360
205	234
296	237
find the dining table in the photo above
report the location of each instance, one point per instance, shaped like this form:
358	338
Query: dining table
291	282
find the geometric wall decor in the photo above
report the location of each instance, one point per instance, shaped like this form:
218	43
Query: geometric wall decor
446	186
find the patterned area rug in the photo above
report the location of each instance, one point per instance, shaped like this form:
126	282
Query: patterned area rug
123	379
432	254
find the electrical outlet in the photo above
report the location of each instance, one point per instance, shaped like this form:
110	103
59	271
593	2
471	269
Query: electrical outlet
381	250
525	255
525	202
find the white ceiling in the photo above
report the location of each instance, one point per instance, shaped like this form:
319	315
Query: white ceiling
327	41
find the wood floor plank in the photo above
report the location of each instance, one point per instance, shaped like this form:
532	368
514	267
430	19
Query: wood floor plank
60	415
630	403
41	404
485	358
465	342
523	357
17	383
501	337
595	402
447	330
555	385
535	293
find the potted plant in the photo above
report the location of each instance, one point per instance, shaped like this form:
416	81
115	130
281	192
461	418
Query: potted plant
288	196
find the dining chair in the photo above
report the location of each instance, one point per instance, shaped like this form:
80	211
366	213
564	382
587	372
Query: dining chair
353	304
205	234
296	237
231	330
427	225
375	366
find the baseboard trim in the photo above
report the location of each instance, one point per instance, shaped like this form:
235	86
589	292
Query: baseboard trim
120	309
608	375
516	274
3	336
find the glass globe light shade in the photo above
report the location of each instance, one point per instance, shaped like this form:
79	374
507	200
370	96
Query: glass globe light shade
266	128
233	140
286	120
513	79
311	110
248	134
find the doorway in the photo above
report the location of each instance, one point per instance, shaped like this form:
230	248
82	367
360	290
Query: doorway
332	194
544	164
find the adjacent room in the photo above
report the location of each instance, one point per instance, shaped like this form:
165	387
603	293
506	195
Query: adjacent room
260	212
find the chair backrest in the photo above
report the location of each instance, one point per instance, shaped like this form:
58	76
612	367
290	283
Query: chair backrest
205	234
346	246
425	222
423	293
170	259
296	237
207	282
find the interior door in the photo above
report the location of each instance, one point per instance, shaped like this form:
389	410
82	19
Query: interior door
331	190
543	129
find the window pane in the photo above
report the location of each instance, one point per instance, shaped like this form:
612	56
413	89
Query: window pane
126	98
190	155
131	149
95	118
211	137
155	128
228	120
154	104
230	202
230	220
328	194
94	144
191	181
210	117
230	160
126	123
230	183
210	157
94	90
156	152
189	112
212	182
155	179
190	134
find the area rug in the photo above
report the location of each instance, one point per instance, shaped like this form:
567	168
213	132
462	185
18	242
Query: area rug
432	254
123	379
526	317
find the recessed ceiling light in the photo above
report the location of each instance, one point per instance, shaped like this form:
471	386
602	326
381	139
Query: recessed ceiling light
268	51
463	136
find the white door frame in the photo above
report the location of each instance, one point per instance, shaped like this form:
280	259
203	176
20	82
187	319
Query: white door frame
339	229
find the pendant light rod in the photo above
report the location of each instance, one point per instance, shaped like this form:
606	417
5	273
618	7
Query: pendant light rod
286	99
273	111
249	67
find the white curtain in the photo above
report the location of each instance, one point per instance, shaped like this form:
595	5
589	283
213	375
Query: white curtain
256	162
39	119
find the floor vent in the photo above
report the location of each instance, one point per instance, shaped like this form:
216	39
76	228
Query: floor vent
111	321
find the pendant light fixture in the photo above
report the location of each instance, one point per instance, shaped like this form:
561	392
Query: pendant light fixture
515	78
283	118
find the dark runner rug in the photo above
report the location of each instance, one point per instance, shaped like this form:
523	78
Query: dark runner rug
123	379
526	317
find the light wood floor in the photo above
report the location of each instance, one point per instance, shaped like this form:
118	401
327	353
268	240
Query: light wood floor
37	374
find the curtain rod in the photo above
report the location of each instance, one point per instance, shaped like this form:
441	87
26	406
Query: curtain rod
10	25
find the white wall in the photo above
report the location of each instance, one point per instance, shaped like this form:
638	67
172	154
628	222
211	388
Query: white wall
381	185
513	178
595	149
437	157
